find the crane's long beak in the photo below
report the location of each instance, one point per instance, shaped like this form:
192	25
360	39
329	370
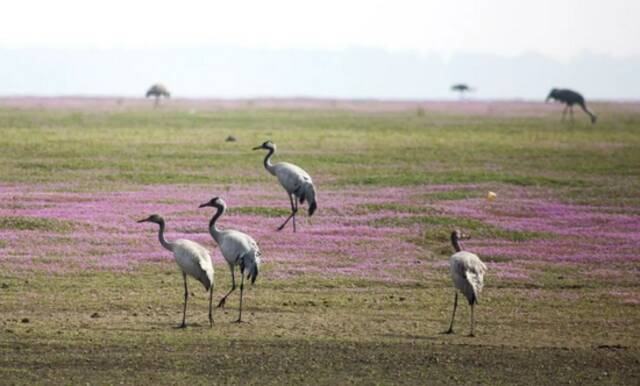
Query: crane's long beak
145	220
203	205
257	148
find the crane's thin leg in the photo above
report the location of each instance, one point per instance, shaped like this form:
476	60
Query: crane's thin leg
295	211
471	333
564	112
241	293
155	103
292	215
186	296
455	305
571	112
233	287
211	306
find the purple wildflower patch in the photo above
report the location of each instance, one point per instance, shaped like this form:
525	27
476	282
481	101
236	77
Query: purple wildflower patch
100	230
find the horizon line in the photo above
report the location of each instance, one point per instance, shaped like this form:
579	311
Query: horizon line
249	98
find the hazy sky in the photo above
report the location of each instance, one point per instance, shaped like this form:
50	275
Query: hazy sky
556	28
326	48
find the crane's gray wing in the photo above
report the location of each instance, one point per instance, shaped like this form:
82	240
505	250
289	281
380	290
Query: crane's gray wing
462	282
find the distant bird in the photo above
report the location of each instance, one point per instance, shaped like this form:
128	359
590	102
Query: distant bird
193	259
461	88
294	180
570	98
238	249
158	90
467	272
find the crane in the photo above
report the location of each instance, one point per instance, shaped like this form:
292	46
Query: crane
193	259
294	180
238	249
570	98
467	273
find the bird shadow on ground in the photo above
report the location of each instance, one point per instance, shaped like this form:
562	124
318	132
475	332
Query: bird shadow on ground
413	337
167	326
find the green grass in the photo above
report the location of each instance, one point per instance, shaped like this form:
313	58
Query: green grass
559	326
440	228
261	211
35	223
101	149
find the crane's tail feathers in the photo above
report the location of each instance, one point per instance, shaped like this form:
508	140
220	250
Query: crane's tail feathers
205	274
253	274
475	280
251	263
308	193
206	282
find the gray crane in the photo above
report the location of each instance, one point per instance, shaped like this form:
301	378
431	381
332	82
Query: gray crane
467	273
570	98
294	180
238	249
193	259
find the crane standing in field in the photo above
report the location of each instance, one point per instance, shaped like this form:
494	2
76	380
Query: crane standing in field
237	248
467	272
158	90
570	98
294	180
193	259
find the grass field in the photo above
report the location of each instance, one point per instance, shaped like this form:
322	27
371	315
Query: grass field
362	292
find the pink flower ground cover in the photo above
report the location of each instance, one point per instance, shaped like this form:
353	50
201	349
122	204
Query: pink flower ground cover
579	233
98	230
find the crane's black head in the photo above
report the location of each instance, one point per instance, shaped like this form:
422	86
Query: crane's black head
268	145
153	218
552	94
456	236
215	202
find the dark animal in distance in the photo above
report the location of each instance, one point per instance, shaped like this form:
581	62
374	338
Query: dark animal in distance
570	98
158	90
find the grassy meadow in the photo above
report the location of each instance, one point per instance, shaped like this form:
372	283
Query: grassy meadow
361	293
